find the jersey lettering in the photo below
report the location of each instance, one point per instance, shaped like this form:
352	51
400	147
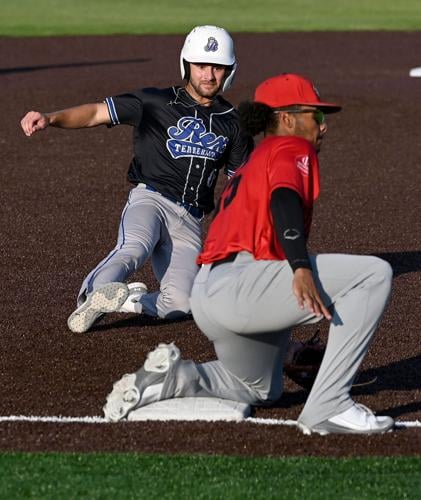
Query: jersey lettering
231	188
190	139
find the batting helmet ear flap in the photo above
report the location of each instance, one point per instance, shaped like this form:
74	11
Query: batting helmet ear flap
185	69
229	77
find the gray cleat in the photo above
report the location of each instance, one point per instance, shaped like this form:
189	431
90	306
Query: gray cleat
153	382
108	298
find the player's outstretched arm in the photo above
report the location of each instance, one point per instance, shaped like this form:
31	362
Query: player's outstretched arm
86	115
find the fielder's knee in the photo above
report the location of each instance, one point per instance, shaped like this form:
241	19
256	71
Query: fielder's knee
384	271
267	396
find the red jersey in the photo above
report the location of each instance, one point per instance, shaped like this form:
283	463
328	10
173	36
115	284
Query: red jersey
244	219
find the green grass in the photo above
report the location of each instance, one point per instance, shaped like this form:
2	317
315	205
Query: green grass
101	476
75	17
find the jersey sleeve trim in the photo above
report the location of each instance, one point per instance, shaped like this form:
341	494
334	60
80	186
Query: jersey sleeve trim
112	111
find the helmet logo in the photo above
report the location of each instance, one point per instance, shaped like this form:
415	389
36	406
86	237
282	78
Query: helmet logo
212	45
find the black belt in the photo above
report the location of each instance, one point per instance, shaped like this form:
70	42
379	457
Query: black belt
231	257
195	211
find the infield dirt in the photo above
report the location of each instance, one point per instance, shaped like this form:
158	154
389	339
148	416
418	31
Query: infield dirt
62	193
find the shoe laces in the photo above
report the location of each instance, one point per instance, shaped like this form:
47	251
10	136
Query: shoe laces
368	412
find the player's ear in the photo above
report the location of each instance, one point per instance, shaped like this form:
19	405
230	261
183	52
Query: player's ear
290	120
286	121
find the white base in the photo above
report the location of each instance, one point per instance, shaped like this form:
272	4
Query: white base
415	72
209	409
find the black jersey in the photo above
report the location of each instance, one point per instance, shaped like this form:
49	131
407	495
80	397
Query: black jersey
180	145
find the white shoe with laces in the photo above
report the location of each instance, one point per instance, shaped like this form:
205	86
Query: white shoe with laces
356	420
132	304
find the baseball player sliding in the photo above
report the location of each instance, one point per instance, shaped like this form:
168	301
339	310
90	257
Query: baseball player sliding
183	136
257	281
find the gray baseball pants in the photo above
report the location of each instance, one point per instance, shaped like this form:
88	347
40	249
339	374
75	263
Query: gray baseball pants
153	227
247	309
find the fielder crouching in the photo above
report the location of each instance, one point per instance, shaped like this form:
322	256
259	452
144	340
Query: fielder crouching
257	281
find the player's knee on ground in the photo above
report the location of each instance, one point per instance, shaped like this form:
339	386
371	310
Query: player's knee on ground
173	304
266	396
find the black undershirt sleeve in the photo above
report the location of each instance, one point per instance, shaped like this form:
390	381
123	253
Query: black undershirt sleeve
288	218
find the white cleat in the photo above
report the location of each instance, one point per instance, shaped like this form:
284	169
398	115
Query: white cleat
132	304
356	420
146	386
108	298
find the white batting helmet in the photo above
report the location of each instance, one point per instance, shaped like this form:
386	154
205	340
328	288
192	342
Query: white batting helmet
212	45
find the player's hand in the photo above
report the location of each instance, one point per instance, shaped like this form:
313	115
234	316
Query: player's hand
33	122
305	290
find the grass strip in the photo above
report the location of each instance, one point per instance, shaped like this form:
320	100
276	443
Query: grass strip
93	17
125	476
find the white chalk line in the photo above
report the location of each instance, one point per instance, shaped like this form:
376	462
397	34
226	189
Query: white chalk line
53	420
101	420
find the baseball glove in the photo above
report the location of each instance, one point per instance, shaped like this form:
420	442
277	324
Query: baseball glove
305	362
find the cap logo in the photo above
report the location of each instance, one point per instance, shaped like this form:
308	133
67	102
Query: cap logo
212	45
316	92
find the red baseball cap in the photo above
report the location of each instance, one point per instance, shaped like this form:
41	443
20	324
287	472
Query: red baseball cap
289	89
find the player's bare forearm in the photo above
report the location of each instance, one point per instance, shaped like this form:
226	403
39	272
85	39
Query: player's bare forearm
84	116
305	290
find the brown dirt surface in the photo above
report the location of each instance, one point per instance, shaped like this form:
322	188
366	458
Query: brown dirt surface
62	193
